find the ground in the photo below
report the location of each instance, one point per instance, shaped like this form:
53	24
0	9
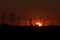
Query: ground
11	28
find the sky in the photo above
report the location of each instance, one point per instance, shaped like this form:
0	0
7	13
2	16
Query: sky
49	9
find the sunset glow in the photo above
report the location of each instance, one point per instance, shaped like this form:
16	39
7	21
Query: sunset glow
39	24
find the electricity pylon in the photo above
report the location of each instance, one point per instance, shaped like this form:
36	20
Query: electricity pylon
25	21
3	18
30	20
12	18
40	18
18	20
43	22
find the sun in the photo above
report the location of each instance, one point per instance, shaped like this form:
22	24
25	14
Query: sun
39	24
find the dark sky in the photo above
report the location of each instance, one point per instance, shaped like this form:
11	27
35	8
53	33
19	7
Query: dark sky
33	8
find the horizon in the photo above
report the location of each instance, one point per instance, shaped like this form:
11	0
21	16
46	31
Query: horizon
17	20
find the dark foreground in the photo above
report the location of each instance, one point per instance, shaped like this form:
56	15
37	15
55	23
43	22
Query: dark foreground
8	28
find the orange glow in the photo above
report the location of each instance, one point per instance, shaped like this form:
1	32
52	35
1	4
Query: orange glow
38	24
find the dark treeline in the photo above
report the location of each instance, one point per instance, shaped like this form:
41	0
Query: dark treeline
12	28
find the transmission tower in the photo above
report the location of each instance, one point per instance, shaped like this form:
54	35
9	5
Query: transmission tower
18	20
44	22
3	18
25	21
30	20
40	18
12	18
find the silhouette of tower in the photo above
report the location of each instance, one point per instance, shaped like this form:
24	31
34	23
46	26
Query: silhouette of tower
3	18
30	20
12	18
44	22
51	23
18	20
40	18
0	17
25	21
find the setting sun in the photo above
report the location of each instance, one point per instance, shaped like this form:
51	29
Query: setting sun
38	24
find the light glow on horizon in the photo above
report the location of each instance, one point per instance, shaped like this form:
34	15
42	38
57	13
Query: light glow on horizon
39	24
